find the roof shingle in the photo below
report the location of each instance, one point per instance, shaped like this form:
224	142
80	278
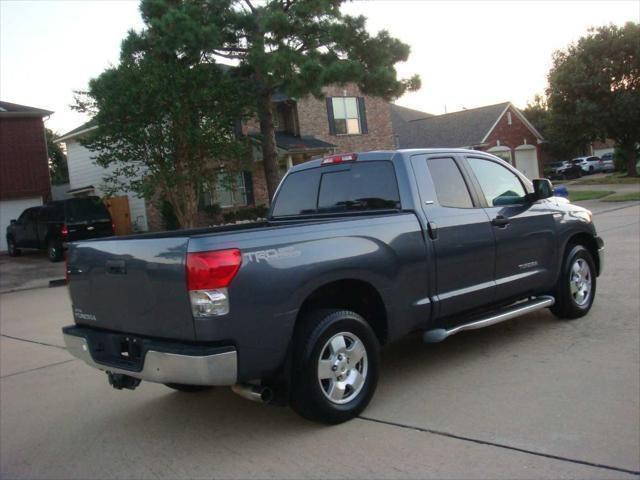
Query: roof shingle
465	128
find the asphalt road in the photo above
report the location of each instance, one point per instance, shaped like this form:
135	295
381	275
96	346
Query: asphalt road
532	398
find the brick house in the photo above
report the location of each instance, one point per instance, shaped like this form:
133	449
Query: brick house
24	164
500	129
345	120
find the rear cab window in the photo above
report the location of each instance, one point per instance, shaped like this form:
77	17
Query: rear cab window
82	209
451	189
364	186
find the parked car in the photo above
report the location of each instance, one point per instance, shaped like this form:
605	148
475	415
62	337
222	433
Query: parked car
608	164
588	164
564	170
358	251
52	226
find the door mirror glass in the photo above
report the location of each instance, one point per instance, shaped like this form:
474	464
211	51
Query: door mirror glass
542	188
12	221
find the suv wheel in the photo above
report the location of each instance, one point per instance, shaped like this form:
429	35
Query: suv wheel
335	366
576	287
11	247
54	251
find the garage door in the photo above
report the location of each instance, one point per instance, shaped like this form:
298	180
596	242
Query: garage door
527	161
10	209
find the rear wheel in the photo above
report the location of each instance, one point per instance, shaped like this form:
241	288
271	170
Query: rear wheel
11	247
576	287
54	250
188	388
335	366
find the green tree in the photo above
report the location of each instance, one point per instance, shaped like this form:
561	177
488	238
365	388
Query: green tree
559	145
297	47
594	88
166	118
57	160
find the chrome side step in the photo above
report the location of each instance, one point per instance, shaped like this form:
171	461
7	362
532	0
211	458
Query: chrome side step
522	308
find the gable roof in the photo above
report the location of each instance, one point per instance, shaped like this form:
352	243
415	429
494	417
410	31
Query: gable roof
408	114
76	132
8	109
466	128
400	119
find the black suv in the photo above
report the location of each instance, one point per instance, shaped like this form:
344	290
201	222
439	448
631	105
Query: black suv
53	225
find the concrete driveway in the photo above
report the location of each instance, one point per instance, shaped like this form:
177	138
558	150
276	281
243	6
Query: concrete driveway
532	398
30	270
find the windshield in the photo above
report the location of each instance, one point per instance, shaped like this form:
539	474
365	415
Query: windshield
90	208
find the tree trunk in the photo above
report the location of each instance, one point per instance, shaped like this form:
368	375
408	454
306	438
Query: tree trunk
269	153
629	151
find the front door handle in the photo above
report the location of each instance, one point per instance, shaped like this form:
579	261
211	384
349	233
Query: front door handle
500	221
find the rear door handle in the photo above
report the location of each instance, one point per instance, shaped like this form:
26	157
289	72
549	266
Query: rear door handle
500	221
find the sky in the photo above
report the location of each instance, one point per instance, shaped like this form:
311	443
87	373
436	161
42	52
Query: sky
468	53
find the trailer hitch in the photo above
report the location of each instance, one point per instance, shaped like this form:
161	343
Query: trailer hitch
120	381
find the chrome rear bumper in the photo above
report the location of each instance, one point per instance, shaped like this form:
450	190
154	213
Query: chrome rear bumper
162	367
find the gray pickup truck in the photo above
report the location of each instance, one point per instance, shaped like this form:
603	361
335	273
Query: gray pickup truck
358	250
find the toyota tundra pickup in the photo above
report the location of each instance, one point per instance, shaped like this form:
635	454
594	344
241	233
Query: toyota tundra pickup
357	251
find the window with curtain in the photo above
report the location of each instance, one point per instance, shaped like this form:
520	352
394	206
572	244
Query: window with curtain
346	115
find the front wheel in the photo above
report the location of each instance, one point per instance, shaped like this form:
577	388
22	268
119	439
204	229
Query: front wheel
335	366
576	287
11	247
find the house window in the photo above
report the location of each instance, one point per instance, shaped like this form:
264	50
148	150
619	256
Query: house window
346	115
509	121
228	191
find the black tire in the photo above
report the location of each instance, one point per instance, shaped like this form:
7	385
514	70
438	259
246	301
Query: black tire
591	169
308	397
11	247
54	251
567	306
188	388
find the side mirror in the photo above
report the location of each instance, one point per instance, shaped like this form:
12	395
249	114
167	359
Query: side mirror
12	221
542	188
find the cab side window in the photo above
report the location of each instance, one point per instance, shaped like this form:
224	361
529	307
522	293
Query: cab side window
499	185
451	189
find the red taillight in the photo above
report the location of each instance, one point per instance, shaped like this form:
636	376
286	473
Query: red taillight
211	270
64	231
341	158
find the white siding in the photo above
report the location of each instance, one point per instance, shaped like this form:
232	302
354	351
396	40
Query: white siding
83	172
11	210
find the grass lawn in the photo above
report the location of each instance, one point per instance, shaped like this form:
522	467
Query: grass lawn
579	195
612	179
623	197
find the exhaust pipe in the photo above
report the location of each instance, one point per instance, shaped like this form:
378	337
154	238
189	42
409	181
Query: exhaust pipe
255	393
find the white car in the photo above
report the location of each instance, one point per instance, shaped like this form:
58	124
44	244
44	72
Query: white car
588	164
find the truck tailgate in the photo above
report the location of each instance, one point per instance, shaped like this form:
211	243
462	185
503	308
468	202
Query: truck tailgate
134	285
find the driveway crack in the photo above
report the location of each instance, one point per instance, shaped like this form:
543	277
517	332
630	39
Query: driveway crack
502	445
32	341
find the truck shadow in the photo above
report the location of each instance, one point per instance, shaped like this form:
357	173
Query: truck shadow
408	362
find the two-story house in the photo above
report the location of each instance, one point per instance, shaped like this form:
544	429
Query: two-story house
24	165
345	120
